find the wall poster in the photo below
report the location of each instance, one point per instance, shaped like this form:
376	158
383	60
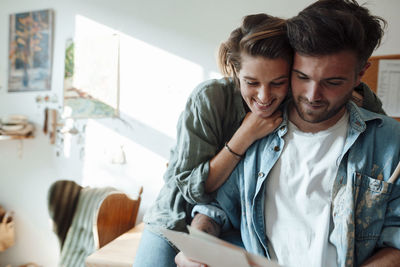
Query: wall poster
30	51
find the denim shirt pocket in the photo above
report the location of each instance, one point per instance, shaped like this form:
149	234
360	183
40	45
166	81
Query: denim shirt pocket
371	198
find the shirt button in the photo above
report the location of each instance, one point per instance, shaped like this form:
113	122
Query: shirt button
276	148
260	174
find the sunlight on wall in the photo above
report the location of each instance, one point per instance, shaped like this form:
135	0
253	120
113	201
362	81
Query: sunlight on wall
155	84
96	61
214	75
102	166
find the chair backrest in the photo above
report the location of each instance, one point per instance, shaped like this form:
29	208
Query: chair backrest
86	218
117	214
63	196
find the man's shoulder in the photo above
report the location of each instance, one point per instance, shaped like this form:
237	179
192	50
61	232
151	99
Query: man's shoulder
383	120
380	124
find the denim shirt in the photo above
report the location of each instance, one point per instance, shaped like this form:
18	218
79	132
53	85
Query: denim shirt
365	210
213	113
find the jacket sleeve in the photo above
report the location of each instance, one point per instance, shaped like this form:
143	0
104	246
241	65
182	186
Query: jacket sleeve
198	141
226	209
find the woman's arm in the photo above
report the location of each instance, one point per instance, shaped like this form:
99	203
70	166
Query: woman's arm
197	164
252	128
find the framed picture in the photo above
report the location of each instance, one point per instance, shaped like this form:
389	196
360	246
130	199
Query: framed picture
30	51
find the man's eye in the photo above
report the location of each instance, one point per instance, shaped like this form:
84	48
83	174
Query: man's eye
277	83
334	83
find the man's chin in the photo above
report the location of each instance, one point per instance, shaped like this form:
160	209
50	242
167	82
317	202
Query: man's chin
311	116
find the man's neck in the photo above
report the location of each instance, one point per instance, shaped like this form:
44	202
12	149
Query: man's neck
310	127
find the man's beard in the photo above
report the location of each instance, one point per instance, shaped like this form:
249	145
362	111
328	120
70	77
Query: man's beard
320	115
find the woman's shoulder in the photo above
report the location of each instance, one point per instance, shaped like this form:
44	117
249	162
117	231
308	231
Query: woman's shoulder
217	100
215	90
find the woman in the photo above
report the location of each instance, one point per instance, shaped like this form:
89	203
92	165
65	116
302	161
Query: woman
221	120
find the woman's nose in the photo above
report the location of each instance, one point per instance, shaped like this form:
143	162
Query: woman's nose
264	94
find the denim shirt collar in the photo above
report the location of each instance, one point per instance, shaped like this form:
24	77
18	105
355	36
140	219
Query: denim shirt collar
359	116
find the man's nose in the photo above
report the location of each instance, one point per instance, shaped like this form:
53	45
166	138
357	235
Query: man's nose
264	94
313	92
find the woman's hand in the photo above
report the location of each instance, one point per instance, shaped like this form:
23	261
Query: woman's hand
254	127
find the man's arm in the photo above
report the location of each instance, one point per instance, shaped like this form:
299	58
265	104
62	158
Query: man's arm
205	224
387	257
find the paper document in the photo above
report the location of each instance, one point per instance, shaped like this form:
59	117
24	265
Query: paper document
389	86
214	252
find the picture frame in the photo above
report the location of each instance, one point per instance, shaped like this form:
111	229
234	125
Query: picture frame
30	51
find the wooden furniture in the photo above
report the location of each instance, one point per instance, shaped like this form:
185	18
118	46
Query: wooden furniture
87	218
119	252
117	214
371	75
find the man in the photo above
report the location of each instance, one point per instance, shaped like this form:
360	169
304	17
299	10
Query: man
316	191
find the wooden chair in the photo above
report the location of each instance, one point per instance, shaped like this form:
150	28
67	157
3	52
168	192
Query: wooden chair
117	214
85	219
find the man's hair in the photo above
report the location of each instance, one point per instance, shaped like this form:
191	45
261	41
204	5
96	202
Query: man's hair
259	35
331	26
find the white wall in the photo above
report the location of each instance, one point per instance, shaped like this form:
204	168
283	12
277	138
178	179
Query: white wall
186	32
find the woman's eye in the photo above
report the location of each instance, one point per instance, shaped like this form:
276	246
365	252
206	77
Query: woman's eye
251	83
301	77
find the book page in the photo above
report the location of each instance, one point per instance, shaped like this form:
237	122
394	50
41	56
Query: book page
214	252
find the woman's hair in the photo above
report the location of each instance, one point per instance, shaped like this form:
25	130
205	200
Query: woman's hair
259	35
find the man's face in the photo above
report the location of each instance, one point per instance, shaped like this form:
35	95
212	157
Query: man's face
321	87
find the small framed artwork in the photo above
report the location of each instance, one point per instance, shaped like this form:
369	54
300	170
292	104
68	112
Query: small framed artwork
30	51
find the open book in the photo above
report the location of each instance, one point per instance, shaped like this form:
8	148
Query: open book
214	252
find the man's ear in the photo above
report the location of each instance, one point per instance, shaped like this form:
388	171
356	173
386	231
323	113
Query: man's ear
361	73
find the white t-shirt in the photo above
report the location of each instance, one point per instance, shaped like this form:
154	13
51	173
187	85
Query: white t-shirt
298	196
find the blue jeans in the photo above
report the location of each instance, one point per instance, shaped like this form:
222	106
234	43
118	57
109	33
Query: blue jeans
154	250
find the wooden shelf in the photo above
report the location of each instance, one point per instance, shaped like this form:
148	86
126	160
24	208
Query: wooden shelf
14	137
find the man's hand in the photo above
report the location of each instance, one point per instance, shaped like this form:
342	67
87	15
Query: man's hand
386	257
182	261
205	224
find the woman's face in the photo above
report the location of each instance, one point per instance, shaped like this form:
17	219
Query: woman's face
264	83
